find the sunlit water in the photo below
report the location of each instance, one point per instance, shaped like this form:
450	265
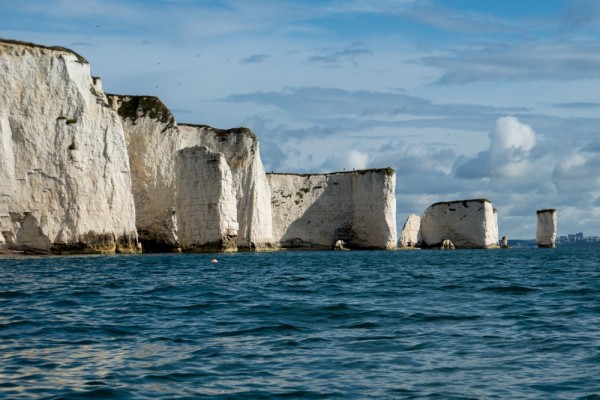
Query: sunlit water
518	323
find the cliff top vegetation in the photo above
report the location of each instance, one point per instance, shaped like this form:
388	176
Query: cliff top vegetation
464	202
225	132
80	58
546	210
134	107
389	171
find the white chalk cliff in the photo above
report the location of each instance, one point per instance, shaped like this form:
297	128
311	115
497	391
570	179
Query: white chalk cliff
317	210
411	232
252	192
82	171
364	208
467	223
546	228
153	141
206	202
64	170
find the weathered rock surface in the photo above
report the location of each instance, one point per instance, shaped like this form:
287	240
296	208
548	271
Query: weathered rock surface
206	201
314	211
411	232
546	228
80	170
447	245
153	141
64	171
360	211
467	223
240	148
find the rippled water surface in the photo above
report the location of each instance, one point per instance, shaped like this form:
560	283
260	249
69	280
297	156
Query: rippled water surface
518	323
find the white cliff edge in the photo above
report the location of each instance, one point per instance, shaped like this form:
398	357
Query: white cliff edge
64	171
466	223
165	192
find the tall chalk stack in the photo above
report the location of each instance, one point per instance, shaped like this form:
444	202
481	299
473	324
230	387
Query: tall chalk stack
546	228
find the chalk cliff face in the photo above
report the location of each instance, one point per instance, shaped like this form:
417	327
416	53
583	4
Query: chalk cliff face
64	171
315	211
467	223
546	228
411	232
206	201
249	183
80	170
153	140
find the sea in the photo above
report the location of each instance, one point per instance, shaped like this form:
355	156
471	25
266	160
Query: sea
462	324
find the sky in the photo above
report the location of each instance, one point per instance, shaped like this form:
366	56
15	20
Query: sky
465	99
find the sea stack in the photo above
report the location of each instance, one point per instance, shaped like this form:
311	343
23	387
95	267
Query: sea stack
466	223
546	228
411	232
314	211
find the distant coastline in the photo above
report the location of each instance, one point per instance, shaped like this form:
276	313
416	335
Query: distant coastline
521	243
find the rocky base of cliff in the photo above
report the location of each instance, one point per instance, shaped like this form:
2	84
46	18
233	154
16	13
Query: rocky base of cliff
99	243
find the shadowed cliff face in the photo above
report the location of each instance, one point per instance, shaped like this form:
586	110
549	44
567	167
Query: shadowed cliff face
314	211
63	161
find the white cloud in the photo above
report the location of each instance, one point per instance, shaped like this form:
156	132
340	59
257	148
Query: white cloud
566	59
511	134
507	156
346	160
577	172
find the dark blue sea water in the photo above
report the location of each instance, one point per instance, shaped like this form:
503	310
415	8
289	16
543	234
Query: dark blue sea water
518	323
